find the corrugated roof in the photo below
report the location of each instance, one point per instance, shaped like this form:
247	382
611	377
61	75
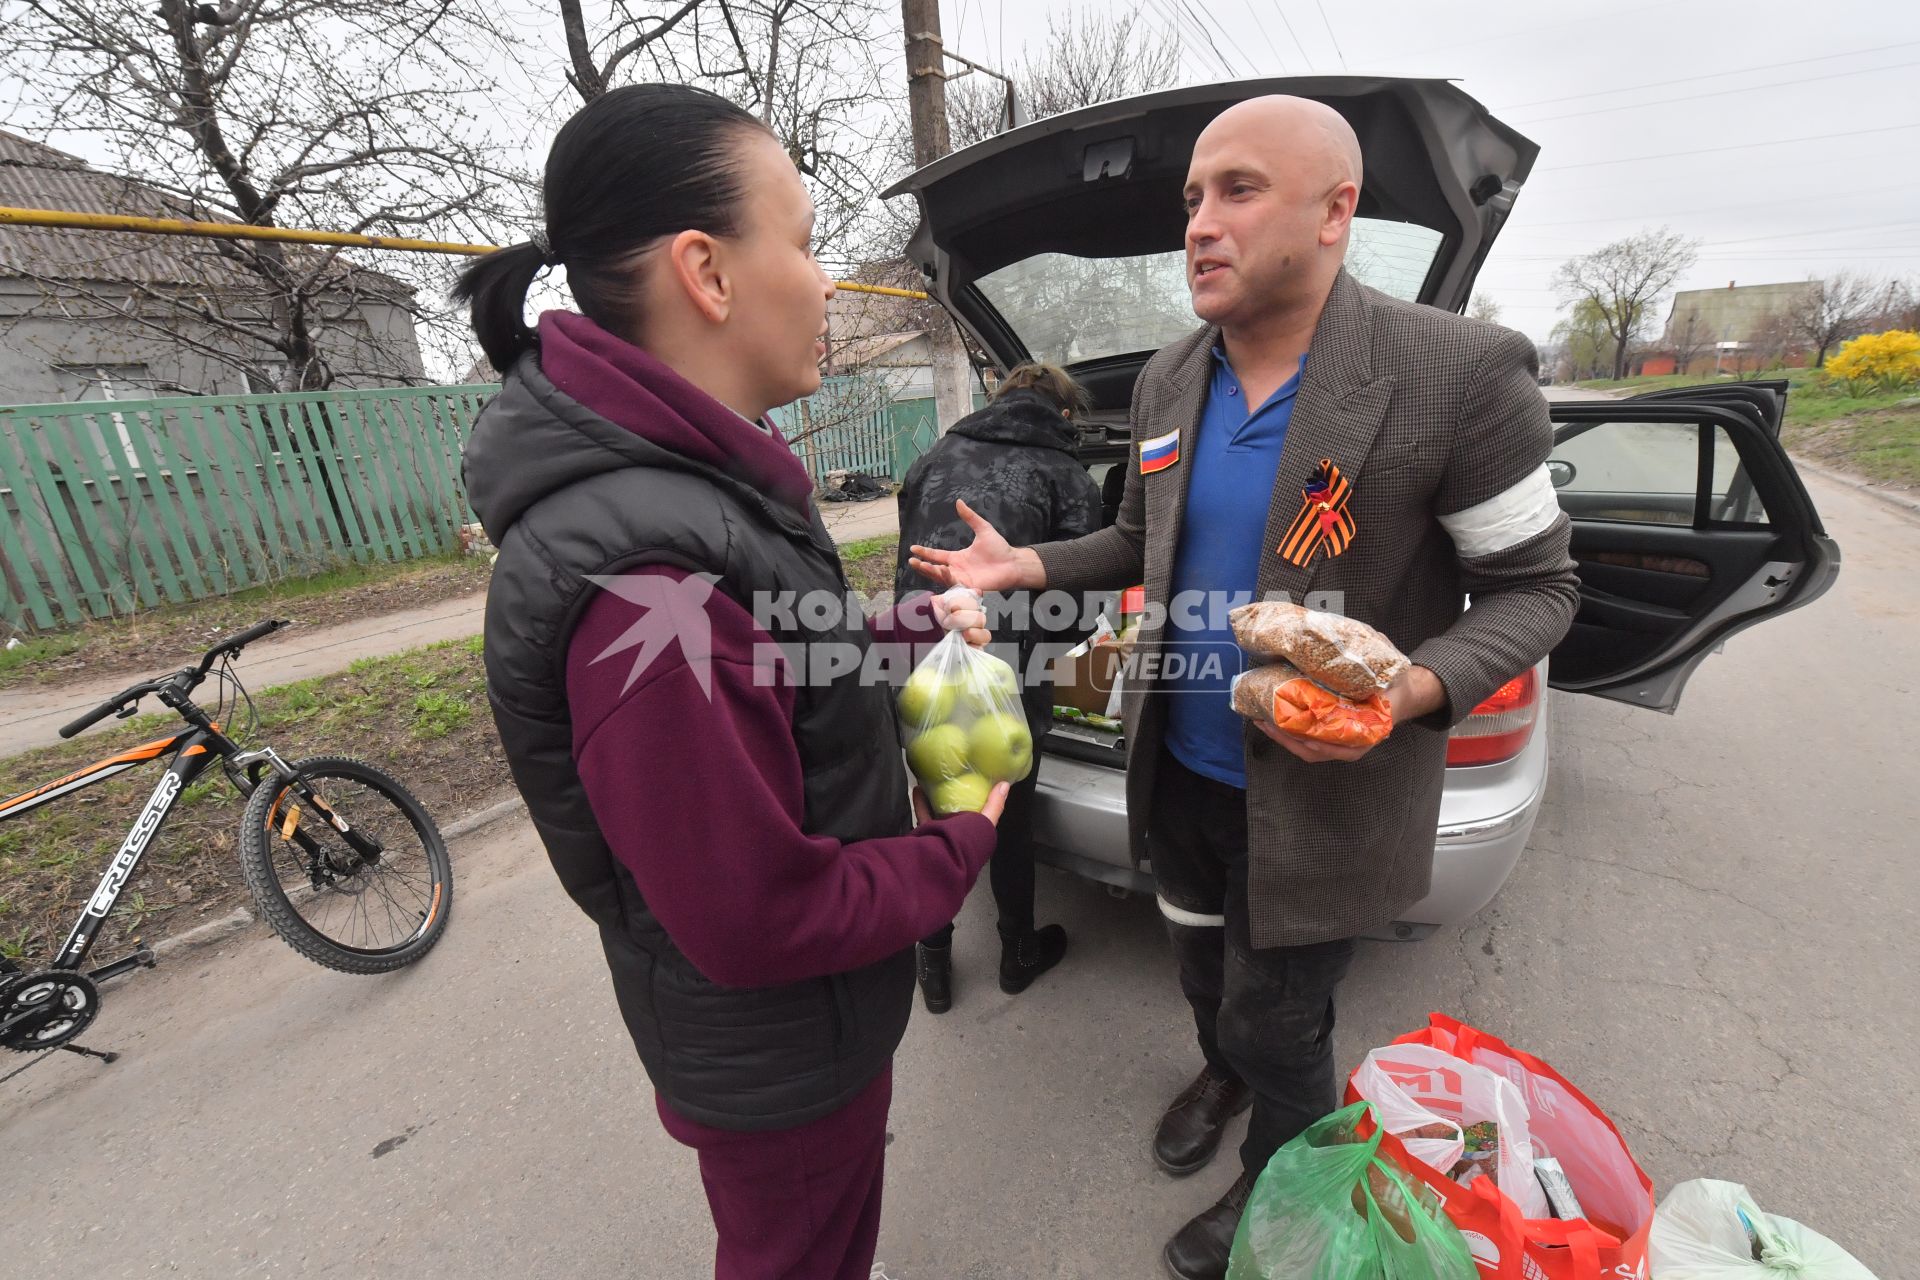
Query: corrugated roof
860	351
1738	313
36	176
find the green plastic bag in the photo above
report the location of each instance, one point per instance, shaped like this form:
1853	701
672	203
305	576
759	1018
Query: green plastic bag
1328	1207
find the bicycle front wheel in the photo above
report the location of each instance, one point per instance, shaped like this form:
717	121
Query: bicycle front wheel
346	865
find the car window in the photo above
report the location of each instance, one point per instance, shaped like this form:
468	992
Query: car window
1068	309
1649	473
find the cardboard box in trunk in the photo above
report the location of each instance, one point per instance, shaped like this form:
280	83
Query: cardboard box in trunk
1085	680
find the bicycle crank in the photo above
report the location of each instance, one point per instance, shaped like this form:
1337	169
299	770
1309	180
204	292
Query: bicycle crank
44	1010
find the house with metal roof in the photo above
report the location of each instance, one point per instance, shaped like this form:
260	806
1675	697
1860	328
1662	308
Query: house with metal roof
116	315
1738	329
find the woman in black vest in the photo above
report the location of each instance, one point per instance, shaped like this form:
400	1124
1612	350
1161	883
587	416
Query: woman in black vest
717	787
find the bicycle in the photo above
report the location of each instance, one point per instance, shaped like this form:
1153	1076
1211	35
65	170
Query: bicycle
320	839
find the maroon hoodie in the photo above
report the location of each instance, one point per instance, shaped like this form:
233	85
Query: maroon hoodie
700	796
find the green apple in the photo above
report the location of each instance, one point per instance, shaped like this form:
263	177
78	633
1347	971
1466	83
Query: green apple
939	753
1001	747
991	684
927	698
964	794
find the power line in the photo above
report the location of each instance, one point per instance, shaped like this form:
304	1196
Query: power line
1181	19
1261	27
1738	146
1822	231
1481	39
1720	93
1201	15
1711	75
1781	235
1306	58
1748	206
1329	26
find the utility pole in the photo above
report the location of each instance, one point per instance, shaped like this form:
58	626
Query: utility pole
927	103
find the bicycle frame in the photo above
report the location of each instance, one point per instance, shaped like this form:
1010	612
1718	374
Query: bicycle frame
197	749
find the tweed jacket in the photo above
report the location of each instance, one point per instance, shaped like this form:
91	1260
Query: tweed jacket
1428	415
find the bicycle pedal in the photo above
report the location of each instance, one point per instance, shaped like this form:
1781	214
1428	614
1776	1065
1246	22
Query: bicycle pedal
109	1056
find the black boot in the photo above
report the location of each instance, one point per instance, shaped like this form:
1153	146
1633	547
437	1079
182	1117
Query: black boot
1190	1131
1200	1250
935	971
1026	956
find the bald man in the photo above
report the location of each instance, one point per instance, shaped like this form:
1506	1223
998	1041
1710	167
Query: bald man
1272	854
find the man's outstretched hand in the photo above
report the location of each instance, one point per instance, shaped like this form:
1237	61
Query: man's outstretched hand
988	563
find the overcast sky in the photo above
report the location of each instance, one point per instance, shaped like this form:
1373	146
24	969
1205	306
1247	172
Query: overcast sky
1782	135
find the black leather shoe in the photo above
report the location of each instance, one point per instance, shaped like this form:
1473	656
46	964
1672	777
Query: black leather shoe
934	969
1025	958
1190	1131
1199	1250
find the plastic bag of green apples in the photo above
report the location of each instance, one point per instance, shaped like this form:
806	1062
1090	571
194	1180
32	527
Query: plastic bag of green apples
963	726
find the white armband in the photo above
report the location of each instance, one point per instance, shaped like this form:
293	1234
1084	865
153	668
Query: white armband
1505	520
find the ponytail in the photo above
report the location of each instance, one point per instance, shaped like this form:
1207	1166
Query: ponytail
495	287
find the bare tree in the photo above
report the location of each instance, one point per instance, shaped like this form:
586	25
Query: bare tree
1087	58
1485	308
807	68
1687	336
1772	336
1899	306
1837	308
1624	280
597	58
350	115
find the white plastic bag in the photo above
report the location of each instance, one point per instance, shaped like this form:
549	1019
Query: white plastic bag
963	726
1414	1086
1712	1230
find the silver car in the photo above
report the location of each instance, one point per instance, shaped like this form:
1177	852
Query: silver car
1063	241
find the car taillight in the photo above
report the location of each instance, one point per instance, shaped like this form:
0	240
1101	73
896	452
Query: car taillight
1499	727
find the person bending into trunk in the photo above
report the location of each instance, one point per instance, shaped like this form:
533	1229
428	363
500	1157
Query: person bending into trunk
1013	463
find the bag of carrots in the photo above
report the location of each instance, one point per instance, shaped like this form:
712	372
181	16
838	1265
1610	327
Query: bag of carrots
1278	694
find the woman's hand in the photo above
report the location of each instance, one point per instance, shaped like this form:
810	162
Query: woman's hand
988	563
996	804
958	609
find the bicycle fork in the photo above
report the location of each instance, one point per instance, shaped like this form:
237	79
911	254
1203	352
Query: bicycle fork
292	827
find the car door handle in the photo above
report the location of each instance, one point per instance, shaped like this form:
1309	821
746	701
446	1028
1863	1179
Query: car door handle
1606	609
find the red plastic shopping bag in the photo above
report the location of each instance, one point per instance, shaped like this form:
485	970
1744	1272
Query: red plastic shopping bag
1615	1194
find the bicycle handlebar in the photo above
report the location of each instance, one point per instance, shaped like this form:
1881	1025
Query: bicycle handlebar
188	677
108	707
234	644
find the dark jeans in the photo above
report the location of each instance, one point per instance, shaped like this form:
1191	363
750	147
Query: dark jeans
1011	871
1264	1016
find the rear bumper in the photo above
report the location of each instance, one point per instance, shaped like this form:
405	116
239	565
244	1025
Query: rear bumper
1487	815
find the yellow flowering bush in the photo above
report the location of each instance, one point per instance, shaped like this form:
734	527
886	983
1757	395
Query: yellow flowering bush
1878	361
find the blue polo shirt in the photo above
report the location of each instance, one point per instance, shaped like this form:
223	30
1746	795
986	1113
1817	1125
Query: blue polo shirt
1236	454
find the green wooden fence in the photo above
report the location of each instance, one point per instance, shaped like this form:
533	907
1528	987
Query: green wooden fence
108	507
111	506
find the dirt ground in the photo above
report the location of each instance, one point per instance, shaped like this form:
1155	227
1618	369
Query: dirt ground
422	716
155	639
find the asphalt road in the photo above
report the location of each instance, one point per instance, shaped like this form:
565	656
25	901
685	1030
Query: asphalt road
1714	935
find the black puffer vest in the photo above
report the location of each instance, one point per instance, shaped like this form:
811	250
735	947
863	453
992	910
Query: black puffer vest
564	494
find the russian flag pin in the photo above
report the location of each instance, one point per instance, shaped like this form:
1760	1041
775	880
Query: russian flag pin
1159	453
